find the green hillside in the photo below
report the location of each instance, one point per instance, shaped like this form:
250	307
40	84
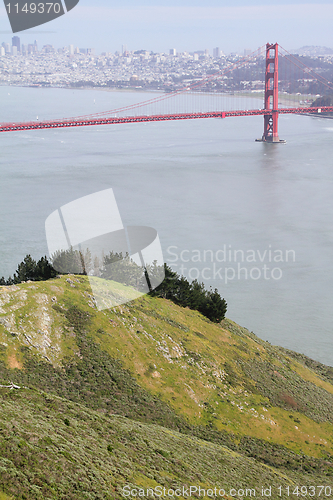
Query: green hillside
265	410
52	448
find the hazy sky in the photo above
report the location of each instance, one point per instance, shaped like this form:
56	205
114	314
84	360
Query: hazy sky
188	25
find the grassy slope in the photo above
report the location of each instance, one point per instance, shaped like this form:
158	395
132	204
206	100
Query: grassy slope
55	449
184	371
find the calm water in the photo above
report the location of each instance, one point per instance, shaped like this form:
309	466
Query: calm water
204	185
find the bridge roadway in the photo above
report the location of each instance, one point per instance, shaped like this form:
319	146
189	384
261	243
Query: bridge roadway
85	122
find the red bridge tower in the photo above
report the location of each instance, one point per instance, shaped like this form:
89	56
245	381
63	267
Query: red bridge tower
271	89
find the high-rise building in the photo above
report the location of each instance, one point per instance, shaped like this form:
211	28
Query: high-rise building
14	50
2	51
16	43
172	52
71	50
216	52
48	49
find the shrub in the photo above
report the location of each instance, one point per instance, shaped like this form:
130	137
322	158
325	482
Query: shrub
192	295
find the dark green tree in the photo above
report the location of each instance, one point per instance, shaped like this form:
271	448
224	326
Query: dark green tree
44	270
214	307
193	295
167	289
197	296
122	269
153	275
68	262
26	270
30	270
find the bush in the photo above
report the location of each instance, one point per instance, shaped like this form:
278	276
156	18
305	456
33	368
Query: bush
192	295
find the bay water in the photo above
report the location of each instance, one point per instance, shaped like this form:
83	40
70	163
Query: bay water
253	220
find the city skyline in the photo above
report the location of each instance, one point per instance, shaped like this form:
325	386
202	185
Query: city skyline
27	48
187	26
16	47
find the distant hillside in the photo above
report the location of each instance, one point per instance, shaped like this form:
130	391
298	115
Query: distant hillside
155	363
313	50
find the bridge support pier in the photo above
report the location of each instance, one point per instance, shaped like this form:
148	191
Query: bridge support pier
271	127
271	133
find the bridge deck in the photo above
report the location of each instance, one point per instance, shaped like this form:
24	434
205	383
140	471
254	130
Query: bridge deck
38	125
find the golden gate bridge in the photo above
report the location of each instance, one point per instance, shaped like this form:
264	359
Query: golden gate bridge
187	102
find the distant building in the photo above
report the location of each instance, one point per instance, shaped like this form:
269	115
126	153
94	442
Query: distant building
172	52
90	52
14	50
216	52
2	51
247	52
48	49
71	50
16	43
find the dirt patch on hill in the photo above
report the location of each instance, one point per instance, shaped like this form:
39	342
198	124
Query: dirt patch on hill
13	362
